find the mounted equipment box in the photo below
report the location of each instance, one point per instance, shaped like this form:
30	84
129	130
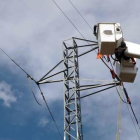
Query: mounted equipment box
109	36
126	73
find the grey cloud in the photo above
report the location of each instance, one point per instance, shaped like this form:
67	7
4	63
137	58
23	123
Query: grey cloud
6	94
43	122
32	33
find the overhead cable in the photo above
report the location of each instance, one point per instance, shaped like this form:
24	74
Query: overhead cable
80	14
33	91
127	103
29	77
128	100
116	86
79	32
91	29
120	96
132	120
75	26
68	18
50	111
14	62
71	22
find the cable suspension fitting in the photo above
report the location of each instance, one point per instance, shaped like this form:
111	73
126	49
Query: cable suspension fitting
32	90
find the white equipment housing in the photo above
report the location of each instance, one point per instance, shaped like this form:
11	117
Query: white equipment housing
126	73
127	70
109	36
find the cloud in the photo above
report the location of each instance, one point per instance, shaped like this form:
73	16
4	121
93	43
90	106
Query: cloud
32	33
43	122
6	94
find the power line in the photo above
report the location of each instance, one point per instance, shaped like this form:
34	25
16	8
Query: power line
75	26
32	90
80	32
70	21
14	62
32	79
126	94
80	15
68	18
50	112
28	76
127	106
132	120
130	114
116	86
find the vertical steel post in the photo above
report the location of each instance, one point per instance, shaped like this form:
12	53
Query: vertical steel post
72	106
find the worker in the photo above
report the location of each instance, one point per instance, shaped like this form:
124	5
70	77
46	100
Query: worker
119	52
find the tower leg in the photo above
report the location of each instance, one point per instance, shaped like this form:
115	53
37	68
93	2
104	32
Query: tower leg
72	105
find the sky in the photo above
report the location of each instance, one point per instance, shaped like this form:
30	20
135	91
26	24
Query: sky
32	32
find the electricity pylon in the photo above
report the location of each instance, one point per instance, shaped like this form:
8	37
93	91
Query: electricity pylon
72	104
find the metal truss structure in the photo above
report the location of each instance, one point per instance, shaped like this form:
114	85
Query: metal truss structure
72	88
72	105
72	98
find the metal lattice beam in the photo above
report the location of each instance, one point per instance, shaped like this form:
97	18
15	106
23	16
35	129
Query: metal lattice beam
72	108
72	88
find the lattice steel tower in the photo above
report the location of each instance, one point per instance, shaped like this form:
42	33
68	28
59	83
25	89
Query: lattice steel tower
72	105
